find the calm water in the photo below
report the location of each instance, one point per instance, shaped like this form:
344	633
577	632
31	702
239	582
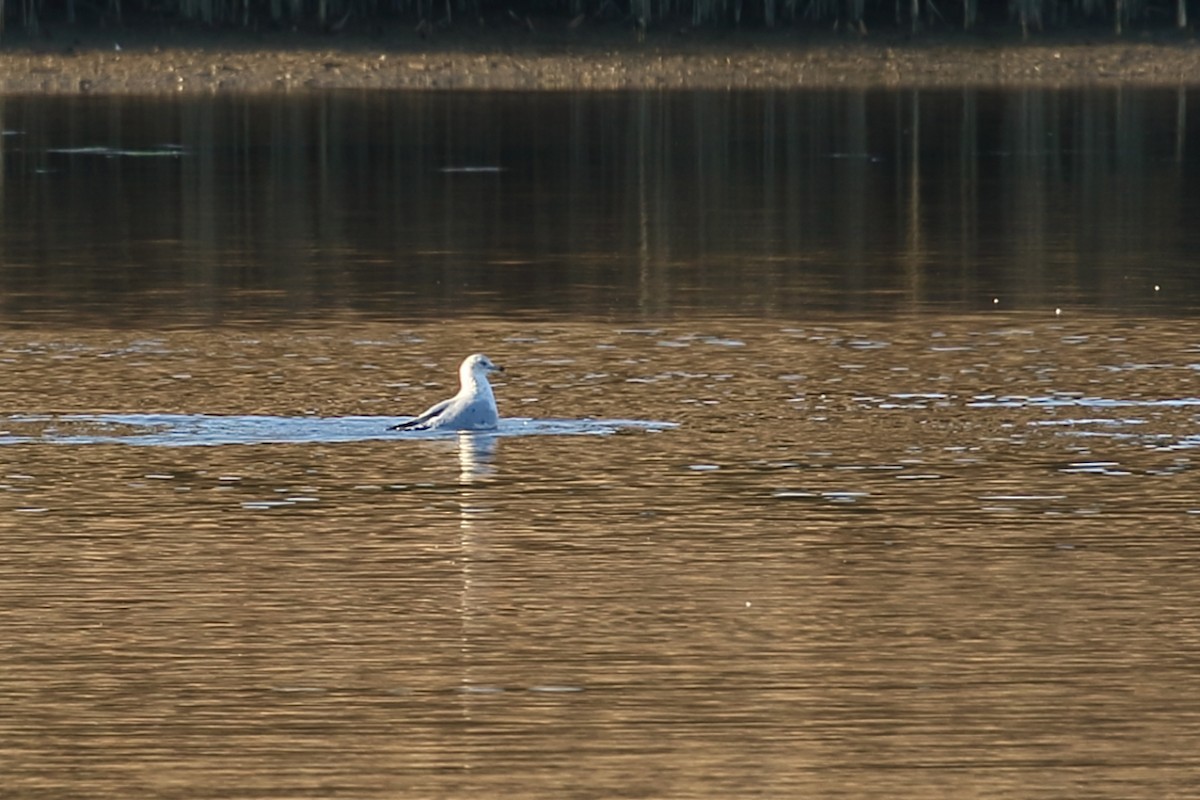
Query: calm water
147	212
926	525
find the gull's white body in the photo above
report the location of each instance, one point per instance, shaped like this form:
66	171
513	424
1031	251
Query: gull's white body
472	409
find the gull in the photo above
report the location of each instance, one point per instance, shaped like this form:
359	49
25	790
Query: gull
472	409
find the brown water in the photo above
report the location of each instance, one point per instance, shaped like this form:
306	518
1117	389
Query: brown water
904	541
909	558
145	211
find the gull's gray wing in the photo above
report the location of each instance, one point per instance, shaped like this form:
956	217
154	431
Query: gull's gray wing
470	414
416	423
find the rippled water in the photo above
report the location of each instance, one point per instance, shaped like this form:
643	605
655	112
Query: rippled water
931	534
936	556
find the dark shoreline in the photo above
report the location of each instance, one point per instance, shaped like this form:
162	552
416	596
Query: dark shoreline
167	61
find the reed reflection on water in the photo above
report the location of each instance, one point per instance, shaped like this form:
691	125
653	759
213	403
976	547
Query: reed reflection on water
938	554
754	202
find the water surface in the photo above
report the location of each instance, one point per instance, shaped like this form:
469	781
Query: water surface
777	203
923	526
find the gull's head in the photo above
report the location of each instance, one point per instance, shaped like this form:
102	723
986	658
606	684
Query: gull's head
477	366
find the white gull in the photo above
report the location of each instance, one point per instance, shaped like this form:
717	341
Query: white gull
472	409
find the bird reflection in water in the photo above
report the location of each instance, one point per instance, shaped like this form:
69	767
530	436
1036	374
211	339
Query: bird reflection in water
475	454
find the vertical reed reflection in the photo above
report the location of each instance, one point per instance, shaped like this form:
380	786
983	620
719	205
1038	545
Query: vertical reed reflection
764	202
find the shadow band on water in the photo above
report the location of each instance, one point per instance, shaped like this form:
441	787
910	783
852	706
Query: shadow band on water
196	430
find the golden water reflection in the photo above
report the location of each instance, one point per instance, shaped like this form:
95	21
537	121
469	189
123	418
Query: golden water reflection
934	557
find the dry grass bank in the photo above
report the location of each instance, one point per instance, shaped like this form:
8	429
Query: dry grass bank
163	60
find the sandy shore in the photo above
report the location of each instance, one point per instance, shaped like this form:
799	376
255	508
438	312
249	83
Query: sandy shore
126	61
